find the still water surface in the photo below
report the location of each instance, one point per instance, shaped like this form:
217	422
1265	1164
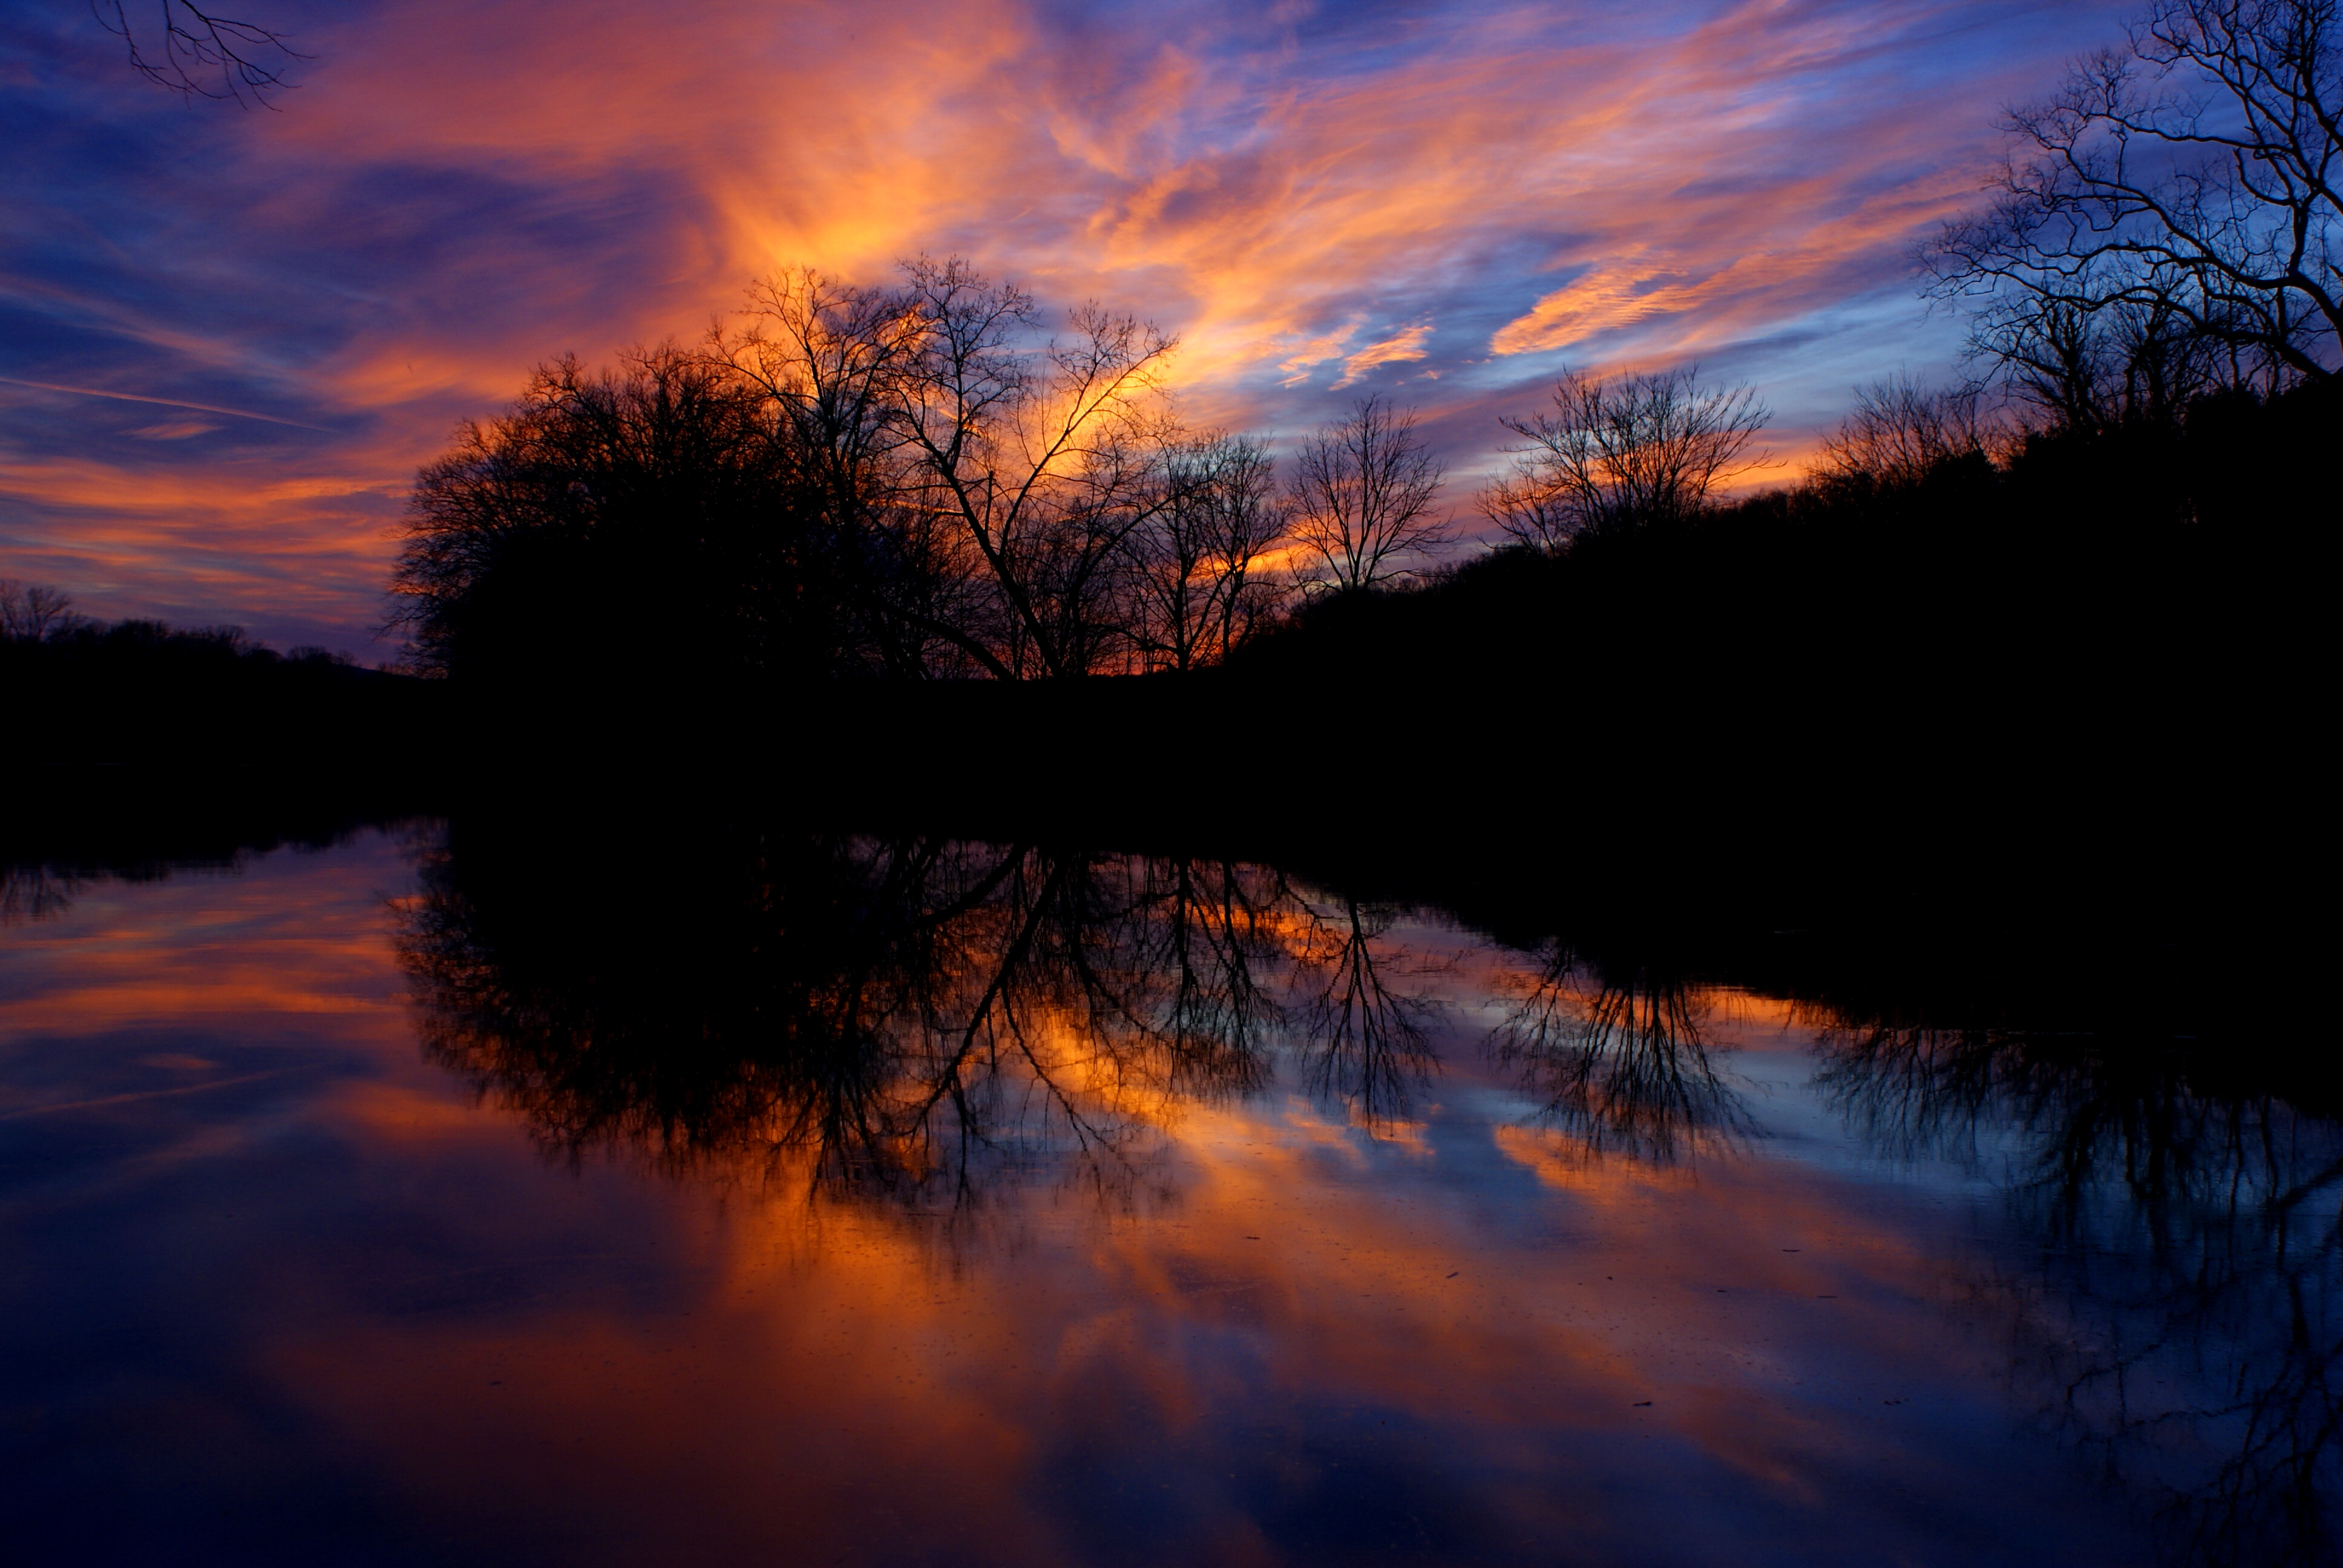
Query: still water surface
853	1202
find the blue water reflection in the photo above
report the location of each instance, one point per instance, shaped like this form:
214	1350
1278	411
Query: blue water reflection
901	1202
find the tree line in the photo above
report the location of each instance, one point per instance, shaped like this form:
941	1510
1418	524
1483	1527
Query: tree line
920	480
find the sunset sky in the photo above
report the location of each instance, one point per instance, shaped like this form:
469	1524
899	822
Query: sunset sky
228	335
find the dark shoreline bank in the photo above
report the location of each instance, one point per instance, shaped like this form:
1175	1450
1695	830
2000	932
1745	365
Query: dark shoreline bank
2078	888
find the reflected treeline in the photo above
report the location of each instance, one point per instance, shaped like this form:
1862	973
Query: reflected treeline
923	1020
65	837
2186	1196
909	1015
1620	1056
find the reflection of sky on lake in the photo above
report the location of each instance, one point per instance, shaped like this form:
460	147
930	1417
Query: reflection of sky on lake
285	1290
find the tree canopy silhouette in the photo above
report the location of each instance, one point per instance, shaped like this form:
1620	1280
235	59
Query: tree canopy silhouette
618	523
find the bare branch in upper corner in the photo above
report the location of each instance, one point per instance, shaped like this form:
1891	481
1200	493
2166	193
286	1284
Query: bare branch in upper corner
175	45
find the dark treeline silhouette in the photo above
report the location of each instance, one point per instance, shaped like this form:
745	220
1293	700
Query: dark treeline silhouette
920	480
182	704
2055	628
1936	581
1974	641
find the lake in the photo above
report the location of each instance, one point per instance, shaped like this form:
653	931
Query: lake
461	1195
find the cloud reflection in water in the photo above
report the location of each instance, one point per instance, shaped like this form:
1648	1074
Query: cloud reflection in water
915	1197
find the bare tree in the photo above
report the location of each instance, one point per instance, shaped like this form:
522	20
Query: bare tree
833	359
1901	431
1618	453
2083	367
1198	559
1362	494
1044	457
30	612
2192	178
177	45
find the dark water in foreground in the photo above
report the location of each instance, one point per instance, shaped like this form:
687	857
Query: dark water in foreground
868	1203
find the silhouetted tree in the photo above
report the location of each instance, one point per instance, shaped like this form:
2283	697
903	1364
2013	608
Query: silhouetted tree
1011	472
1617	454
1362	496
1199	573
2189	182
31	612
629	522
1047	456
835	359
1901	432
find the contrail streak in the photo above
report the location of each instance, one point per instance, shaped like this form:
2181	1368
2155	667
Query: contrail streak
165	402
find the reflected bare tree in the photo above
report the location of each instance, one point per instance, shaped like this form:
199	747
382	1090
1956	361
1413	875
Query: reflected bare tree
1365	1037
2187	1319
30	893
914	1019
1214	943
1621	1056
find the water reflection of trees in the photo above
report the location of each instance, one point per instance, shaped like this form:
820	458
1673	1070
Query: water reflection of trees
1620	1054
913	1015
1368	1041
2187	1312
29	893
